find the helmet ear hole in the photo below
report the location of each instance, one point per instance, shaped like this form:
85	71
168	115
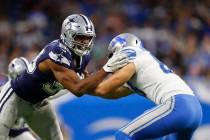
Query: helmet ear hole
136	41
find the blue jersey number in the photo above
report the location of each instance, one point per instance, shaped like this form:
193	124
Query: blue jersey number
163	67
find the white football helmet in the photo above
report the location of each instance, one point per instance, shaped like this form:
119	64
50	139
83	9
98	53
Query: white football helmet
77	25
17	66
123	40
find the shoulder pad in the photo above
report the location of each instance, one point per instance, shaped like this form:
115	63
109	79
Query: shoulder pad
61	56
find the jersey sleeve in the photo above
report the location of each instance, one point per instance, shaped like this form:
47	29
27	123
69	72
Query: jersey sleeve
61	56
132	54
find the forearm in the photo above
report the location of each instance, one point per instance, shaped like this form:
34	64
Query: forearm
91	82
69	79
111	95
114	94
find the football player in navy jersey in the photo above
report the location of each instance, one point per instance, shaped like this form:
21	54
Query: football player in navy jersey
54	68
20	129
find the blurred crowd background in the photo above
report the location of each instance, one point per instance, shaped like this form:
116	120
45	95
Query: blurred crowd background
176	31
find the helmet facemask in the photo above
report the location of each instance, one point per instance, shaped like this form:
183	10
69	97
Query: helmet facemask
80	47
76	30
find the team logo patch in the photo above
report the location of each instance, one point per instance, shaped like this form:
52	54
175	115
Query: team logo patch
119	40
59	58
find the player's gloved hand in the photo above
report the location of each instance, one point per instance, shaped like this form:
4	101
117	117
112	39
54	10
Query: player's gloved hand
117	61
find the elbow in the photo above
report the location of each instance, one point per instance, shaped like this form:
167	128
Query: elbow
101	92
105	94
77	92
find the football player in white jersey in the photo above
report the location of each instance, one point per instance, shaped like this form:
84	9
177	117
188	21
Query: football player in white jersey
177	109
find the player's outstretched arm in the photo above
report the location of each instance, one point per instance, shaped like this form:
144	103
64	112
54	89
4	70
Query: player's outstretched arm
69	79
115	94
112	87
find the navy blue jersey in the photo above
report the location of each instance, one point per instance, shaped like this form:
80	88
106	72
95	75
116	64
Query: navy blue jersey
34	85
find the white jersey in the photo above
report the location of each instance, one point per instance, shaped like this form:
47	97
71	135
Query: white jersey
154	78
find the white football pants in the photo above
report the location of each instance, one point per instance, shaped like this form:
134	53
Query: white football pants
40	117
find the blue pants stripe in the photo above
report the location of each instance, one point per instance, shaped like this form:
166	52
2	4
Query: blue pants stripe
156	118
170	117
147	112
148	118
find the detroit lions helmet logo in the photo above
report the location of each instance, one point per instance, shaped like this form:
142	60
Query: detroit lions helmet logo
116	44
57	57
118	41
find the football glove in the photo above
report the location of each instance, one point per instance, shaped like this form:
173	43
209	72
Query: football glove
117	61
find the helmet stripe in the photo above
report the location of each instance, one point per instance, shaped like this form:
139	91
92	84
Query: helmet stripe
85	19
87	22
